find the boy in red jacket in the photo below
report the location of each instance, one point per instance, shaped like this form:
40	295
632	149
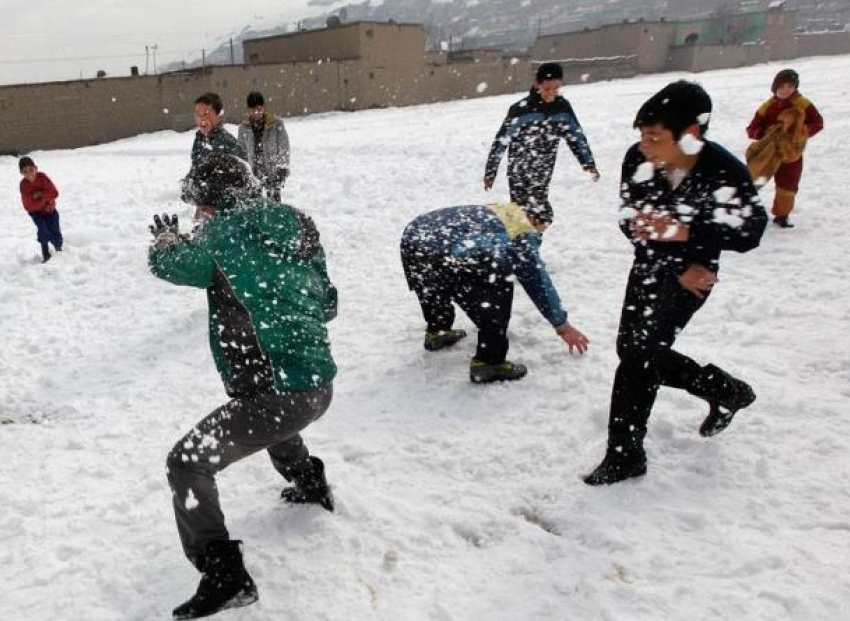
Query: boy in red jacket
787	176
39	197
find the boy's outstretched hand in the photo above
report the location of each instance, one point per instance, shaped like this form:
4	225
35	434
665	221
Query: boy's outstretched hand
573	338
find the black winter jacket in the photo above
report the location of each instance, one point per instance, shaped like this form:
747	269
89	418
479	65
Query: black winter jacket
534	128
716	200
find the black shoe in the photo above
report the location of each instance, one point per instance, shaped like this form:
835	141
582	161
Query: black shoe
783	222
721	413
443	338
617	467
310	485
225	583
484	373
45	253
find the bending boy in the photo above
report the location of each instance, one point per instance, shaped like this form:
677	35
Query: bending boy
469	255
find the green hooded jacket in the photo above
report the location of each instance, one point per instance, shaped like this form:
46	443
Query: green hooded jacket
269	295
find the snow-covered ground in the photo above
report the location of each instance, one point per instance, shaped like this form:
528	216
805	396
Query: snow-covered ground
455	502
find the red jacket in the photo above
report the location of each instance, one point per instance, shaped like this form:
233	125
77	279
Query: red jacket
768	114
40	195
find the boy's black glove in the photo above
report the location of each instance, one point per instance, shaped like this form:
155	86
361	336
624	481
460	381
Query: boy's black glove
166	231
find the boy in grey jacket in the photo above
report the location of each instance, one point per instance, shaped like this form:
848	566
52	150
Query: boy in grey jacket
264	138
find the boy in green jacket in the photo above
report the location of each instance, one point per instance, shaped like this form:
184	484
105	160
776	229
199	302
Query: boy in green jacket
269	298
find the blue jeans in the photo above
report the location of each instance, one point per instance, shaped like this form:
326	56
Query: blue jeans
48	228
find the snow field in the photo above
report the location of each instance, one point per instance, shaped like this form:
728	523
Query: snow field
455	502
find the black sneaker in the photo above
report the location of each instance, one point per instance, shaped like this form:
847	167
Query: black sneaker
617	467
720	415
311	486
783	222
483	373
225	583
444	338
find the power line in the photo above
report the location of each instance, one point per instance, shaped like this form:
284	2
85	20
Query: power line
25	61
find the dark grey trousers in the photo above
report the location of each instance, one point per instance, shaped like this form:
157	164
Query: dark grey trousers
240	428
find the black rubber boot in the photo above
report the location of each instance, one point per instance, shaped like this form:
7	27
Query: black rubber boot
443	338
45	253
310	485
224	584
783	222
618	466
726	395
484	373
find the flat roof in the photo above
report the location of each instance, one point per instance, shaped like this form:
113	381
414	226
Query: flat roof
302	33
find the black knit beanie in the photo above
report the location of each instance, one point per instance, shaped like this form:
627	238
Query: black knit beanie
218	179
549	71
24	162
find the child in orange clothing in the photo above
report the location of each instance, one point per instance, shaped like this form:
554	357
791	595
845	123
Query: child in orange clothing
787	119
39	195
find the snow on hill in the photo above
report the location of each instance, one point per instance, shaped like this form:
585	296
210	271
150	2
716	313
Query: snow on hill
455	502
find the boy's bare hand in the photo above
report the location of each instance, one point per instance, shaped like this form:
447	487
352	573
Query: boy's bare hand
573	338
697	280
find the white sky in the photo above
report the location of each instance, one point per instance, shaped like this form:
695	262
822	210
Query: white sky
43	40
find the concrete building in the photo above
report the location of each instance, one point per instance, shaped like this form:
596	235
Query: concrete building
713	42
638	47
371	43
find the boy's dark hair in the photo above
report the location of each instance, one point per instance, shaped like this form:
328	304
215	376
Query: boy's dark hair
217	179
212	100
24	162
676	107
549	71
786	76
254	99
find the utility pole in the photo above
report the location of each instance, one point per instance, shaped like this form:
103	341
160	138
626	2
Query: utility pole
203	58
232	56
154	48
147	56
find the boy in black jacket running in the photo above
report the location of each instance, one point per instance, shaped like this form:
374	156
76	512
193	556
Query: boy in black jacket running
534	128
685	199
